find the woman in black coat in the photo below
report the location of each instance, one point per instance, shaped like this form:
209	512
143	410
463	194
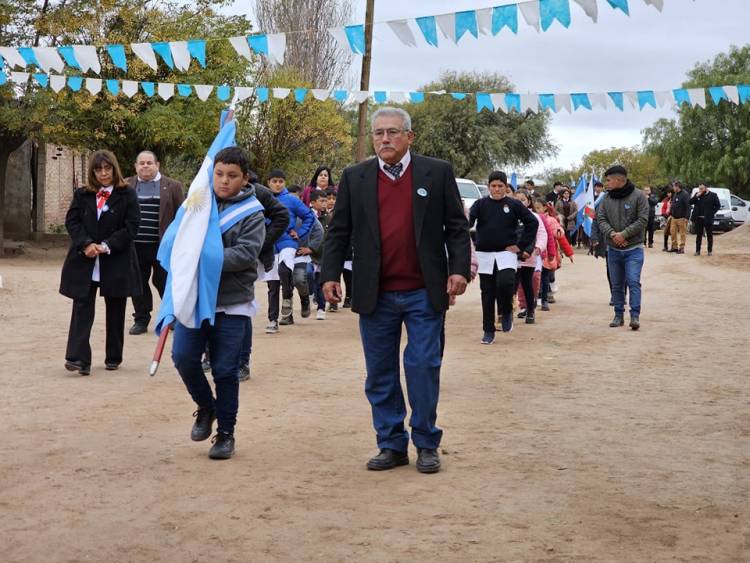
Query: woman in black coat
102	222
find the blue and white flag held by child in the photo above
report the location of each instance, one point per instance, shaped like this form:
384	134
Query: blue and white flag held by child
191	250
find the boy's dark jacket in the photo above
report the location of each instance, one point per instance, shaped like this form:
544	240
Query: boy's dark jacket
277	221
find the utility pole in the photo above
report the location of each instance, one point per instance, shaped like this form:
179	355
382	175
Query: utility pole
365	83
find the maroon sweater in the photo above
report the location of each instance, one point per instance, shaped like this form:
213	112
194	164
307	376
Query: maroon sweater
399	262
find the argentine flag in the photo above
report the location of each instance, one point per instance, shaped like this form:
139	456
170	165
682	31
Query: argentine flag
584	200
191	250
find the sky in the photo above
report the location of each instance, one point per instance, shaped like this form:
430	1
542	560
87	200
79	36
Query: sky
647	50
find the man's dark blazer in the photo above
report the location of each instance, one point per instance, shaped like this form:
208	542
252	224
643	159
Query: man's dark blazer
117	226
171	196
440	227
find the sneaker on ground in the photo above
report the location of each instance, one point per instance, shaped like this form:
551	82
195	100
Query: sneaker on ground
333	307
553	287
272	327
321	315
506	322
206	364
286	307
244	373
305	309
223	447
488	338
286	320
522	314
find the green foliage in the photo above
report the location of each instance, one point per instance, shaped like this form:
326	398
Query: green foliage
713	144
477	143
295	137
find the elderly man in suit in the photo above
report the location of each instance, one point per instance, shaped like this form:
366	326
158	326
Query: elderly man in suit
402	215
159	198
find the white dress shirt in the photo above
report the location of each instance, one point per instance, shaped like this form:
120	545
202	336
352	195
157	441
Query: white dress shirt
405	161
96	275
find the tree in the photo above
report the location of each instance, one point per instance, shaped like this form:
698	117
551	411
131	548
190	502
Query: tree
295	137
314	53
477	143
709	144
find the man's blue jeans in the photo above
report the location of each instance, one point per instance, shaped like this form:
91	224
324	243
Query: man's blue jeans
625	270
381	340
247	343
225	341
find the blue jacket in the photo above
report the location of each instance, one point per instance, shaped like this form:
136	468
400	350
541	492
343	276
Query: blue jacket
297	210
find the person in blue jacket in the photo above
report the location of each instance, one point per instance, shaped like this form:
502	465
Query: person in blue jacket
291	274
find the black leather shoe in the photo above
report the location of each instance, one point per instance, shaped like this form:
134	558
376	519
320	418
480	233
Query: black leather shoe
347	303
138	328
223	447
204	420
80	367
530	319
111	366
387	459
617	321
428	461
635	322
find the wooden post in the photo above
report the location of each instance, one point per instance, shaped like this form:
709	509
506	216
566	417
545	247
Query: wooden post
365	83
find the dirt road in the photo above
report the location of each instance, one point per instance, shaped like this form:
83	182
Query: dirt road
565	441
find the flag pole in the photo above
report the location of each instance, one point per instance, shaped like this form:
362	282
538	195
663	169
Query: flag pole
159	350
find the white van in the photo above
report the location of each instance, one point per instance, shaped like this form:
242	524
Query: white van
740	209
723	220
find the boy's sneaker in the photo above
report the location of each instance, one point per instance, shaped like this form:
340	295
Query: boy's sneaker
347	303
550	298
333	307
286	319
488	338
306	309
530	320
506	322
522	314
223	447
321	315
204	420
286	307
244	373
545	306
206	364
553	287
272	327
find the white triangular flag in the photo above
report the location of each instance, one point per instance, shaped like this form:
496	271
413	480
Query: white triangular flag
145	52
697	97
21	78
180	54
49	58
498	100
165	89
397	97
598	100
360	96
87	58
633	99
56	82
447	25
658	4
129	88
484	21
530	102
664	98
277	47
320	94
93	85
530	12
12	57
203	91
401	29
339	35
733	94
243	93
563	102
281	93
590	7
242	47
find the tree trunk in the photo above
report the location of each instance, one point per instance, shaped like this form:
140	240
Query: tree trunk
8	144
365	83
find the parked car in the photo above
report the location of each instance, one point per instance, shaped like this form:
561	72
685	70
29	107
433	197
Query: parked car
723	220
739	209
483	190
470	193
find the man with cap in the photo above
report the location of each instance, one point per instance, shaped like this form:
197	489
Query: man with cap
622	217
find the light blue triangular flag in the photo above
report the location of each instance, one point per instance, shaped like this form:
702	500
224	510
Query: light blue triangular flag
458	96
484	101
75	83
340	95
148	88
262	94
646	98
580	101
113	86
621	4
513	102
416	97
618	98
744	92
223	92
28	55
69	55
163	50
299	94
117	54
466	21
547	101
551	10
505	16
197	50
717	94
258	43
42	79
380	97
428	27
184	90
681	96
355	35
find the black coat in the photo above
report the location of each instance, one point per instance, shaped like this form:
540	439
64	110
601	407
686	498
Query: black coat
440	227
705	206
680	205
119	273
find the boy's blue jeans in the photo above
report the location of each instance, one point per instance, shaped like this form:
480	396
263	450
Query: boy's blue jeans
316	288
247	343
224	341
625	271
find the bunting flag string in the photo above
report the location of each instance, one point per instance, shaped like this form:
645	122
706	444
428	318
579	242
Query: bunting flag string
638	100
178	55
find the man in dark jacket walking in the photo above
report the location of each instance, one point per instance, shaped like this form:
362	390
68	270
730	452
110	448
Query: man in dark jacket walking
680	212
651	227
705	205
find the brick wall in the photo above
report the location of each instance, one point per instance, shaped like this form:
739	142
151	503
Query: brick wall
62	170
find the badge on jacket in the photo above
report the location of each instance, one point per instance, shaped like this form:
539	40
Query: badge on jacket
627	206
105	208
422	192
506	209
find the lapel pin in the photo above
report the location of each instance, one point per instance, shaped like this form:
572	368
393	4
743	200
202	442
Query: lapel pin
422	192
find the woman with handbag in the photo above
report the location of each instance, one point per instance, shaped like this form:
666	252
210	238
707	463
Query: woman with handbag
102	222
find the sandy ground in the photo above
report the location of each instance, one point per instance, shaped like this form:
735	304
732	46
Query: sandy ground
565	441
